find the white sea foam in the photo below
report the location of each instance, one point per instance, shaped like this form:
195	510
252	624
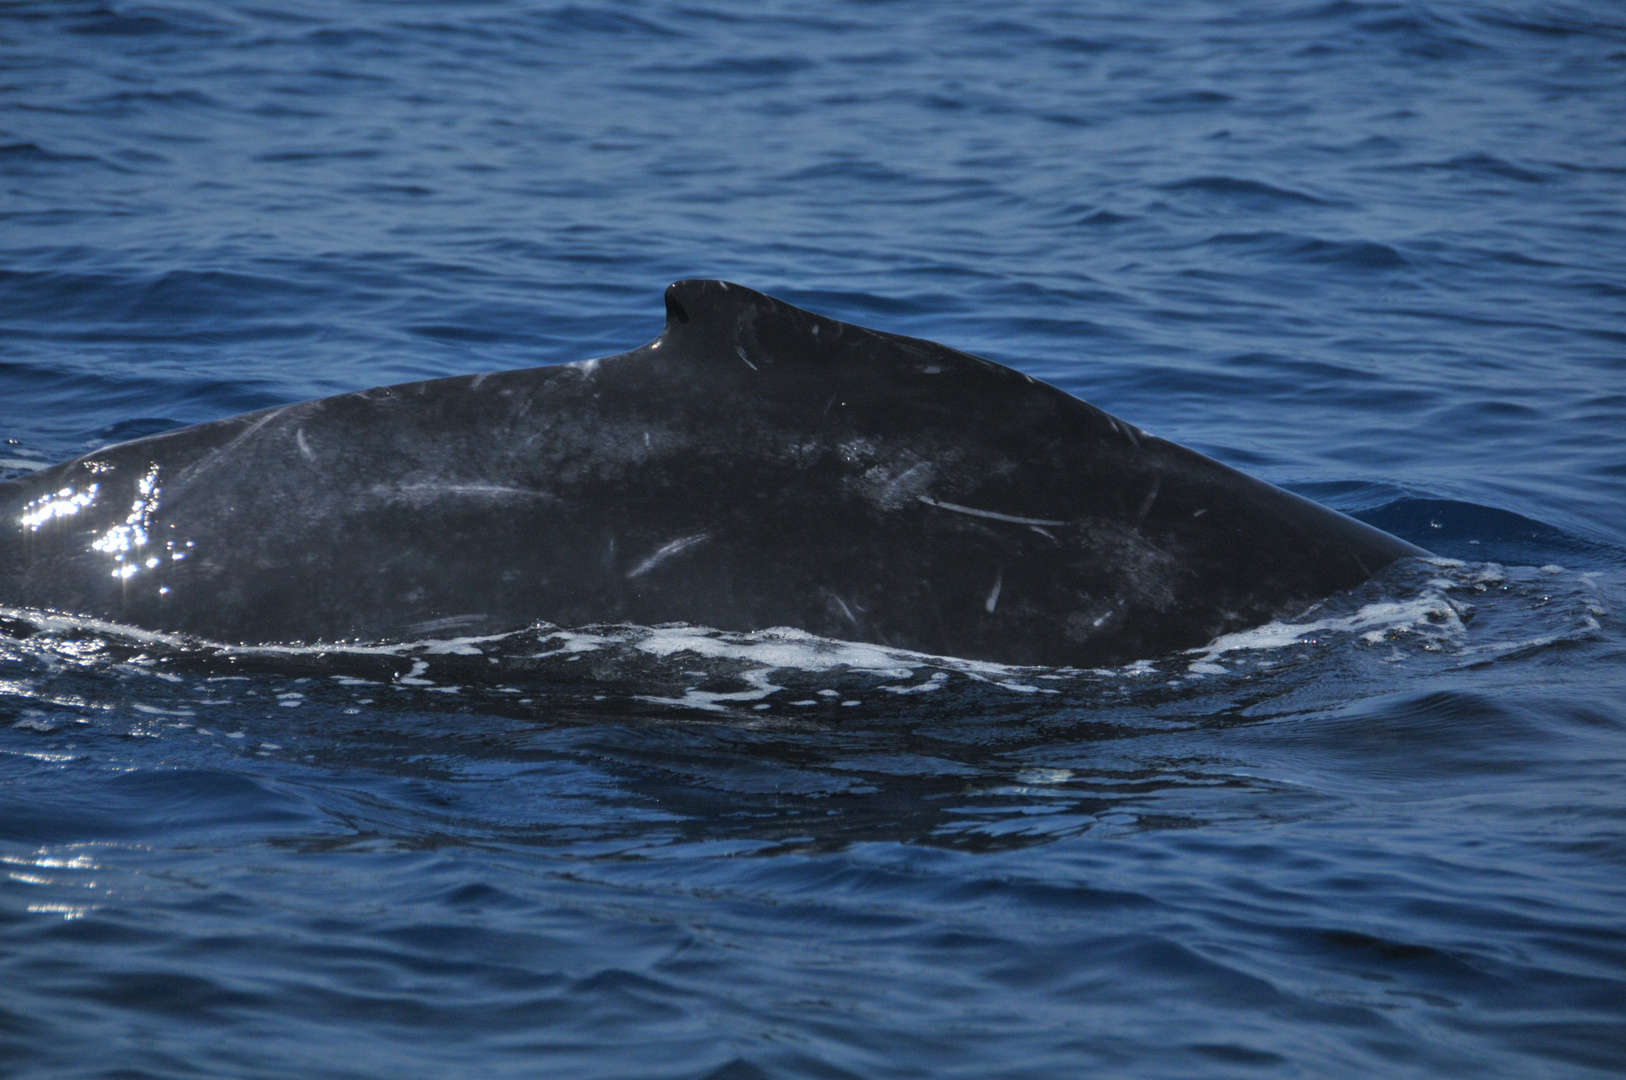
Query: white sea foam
781	648
712	701
1430	612
749	669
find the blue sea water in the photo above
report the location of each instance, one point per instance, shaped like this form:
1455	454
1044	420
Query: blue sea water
1370	251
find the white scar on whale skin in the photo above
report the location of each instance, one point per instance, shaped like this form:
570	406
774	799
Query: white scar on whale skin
666	551
993	595
990	514
845	610
496	490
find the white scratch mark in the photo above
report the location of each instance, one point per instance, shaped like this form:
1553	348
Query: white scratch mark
990	514
742	356
1146	504
666	551
845	610
1045	533
993	595
304	447
470	489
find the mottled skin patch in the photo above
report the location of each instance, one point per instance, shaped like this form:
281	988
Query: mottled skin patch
756	465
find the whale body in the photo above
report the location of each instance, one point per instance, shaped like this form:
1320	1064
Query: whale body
754	466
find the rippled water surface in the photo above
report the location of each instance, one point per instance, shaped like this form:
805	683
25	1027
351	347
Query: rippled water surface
1368	251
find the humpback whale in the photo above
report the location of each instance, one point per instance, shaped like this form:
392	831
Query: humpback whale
754	466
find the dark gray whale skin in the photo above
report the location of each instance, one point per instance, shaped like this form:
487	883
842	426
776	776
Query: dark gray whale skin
754	466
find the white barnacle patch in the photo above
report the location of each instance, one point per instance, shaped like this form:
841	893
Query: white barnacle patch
65	502
666	551
893	484
124	542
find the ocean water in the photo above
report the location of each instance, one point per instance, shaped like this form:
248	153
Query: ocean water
1370	251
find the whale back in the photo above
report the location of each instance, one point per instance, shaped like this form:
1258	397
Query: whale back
756	465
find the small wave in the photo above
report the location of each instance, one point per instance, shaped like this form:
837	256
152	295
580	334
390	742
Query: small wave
1429	35
736	68
1347	254
1550	23
133	102
1104	217
864	172
1255	192
34	152
1472	532
1487	165
137	428
1192	99
576	19
111	23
